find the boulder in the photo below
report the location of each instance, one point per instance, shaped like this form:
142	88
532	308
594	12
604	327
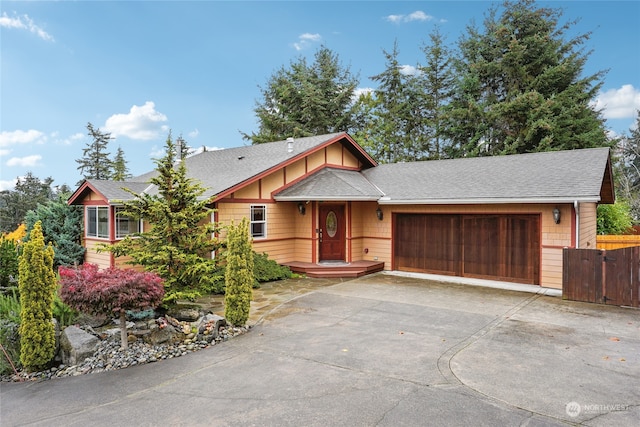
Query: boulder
185	313
76	345
210	324
161	335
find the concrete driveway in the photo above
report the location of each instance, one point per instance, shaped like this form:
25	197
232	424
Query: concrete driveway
382	350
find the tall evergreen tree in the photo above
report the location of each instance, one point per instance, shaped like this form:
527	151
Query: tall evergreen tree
390	118
37	285
436	82
178	244
521	86
120	169
95	162
305	100
27	194
628	168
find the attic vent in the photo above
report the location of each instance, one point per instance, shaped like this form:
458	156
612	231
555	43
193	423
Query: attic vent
240	157
289	145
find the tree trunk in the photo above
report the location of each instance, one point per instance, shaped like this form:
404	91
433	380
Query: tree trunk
124	342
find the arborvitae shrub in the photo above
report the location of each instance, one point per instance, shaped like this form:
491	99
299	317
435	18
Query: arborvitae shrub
239	278
37	285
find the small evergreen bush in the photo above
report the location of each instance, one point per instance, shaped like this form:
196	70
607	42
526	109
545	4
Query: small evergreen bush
267	270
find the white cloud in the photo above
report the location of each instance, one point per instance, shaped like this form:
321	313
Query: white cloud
8	185
9	138
194	133
621	103
418	15
408	70
202	149
27	161
24	23
4	153
141	123
305	40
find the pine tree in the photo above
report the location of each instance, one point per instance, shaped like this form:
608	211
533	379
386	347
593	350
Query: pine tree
239	276
178	244
521	87
390	120
305	100
436	82
62	227
628	169
37	286
120	169
95	162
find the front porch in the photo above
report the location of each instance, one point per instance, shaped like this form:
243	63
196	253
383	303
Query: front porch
335	269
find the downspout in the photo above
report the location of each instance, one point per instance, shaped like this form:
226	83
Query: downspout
576	208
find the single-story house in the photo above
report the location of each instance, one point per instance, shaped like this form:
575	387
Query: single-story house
323	199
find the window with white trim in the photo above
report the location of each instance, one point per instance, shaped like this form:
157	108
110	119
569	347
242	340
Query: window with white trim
98	221
258	221
125	225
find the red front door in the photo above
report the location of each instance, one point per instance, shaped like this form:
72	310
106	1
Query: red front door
332	233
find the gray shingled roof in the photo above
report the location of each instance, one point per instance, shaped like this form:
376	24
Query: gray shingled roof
222	169
331	184
546	177
114	190
557	176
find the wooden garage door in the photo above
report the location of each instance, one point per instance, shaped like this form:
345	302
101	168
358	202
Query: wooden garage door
502	247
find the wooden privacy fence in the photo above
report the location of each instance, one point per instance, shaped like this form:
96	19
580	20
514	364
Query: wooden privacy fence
602	276
612	241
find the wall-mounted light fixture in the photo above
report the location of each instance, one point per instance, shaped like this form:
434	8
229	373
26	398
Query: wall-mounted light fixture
379	213
301	208
556	215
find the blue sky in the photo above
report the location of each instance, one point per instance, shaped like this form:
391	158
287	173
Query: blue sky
138	69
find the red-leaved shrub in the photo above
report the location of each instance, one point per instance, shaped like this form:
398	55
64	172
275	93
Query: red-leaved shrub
110	292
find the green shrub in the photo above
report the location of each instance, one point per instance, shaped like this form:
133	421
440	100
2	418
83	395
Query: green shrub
37	286
9	337
239	277
614	219
64	314
267	270
8	263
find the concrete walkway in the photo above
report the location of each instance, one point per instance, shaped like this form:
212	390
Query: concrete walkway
382	350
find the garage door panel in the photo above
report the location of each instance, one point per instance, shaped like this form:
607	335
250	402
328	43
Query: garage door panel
487	246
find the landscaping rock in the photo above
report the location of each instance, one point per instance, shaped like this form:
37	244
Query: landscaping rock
185	313
210	324
159	336
76	345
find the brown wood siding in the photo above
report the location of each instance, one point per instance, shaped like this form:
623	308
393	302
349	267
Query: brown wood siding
588	225
92	256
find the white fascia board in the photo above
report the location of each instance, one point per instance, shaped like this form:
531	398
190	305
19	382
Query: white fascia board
490	201
325	198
